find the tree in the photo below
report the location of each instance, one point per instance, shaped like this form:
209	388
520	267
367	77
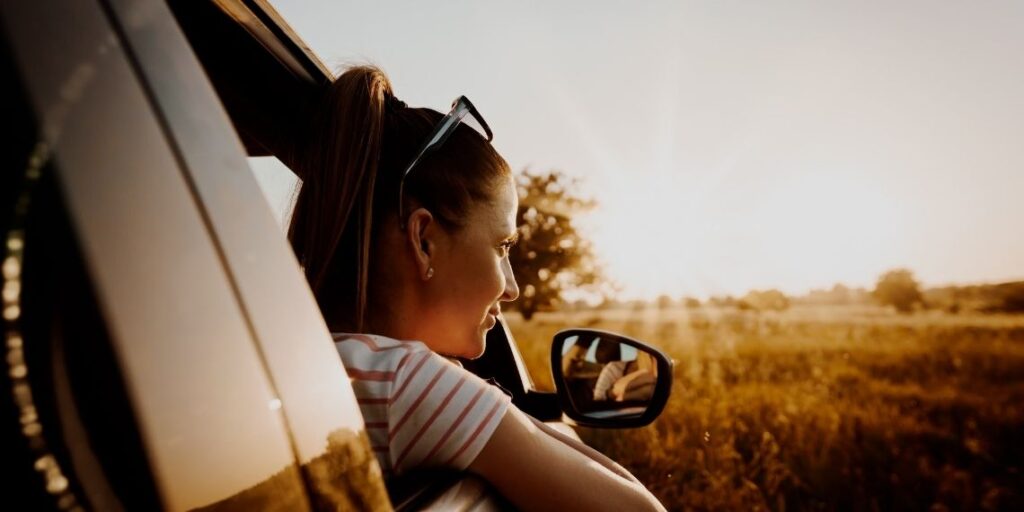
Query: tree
899	289
766	300
551	255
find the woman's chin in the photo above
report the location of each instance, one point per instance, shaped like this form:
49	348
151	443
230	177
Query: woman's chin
475	350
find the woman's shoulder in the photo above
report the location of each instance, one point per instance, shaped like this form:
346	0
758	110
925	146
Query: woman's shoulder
375	342
375	352
427	410
376	357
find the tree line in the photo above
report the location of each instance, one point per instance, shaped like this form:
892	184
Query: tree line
552	257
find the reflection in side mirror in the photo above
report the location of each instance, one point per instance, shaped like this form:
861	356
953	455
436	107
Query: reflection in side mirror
609	380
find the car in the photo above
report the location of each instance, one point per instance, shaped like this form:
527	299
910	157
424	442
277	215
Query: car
162	348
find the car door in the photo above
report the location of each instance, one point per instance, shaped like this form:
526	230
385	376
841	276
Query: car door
163	350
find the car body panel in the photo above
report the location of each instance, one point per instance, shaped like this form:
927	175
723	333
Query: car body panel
174	321
290	334
207	411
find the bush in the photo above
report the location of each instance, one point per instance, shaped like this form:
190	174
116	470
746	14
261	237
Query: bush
767	300
899	289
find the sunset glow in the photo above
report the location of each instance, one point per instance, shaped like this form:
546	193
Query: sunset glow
661	236
733	147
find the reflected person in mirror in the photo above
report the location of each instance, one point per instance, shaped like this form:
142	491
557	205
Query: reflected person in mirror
621	380
608	353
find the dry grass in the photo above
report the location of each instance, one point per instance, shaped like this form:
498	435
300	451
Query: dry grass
820	409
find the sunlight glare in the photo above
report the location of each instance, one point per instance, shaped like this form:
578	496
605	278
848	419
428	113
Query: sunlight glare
660	236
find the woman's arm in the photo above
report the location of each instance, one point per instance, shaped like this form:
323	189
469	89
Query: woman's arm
638	385
609	374
595	455
538	468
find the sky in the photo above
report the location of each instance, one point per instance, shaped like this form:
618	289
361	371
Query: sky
733	145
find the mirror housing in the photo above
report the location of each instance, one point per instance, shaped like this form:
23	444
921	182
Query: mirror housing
608	380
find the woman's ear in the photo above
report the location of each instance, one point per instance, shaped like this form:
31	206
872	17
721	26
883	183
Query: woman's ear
421	231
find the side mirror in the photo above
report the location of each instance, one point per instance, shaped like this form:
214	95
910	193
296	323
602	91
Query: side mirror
605	379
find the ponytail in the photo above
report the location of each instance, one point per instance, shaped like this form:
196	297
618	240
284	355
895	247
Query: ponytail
332	222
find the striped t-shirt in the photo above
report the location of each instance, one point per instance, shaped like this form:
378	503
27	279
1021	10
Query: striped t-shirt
420	409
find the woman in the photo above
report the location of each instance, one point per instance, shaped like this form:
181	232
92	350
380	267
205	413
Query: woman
403	226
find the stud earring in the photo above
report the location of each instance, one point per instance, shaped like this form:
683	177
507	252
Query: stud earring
430	272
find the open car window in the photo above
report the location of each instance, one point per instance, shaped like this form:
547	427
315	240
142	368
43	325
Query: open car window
278	184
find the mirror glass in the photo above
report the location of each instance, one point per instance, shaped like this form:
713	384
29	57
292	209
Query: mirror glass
607	377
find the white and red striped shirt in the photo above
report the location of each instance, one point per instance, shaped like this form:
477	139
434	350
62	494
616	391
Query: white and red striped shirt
420	409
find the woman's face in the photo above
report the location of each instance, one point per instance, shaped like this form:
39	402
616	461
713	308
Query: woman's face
473	276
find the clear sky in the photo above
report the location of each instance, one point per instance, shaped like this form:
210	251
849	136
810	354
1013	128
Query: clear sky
736	145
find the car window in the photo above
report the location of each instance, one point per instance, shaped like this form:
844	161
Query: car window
278	184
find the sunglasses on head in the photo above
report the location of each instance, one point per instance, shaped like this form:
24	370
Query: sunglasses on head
444	129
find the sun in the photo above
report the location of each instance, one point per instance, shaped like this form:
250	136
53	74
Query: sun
667	233
648	236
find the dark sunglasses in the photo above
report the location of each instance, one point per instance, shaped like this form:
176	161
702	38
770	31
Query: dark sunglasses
444	129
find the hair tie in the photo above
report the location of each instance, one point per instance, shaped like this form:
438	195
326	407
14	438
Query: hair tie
392	103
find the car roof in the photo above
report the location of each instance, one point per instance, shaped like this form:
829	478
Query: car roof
267	78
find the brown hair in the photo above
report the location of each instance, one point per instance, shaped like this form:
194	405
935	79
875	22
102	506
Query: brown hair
359	143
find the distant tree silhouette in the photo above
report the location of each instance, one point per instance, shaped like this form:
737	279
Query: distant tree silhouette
1012	297
691	302
838	295
767	300
551	256
899	289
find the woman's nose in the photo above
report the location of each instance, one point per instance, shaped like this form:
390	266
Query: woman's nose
511	292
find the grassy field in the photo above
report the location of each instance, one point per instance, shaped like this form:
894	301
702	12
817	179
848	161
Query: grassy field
845	408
